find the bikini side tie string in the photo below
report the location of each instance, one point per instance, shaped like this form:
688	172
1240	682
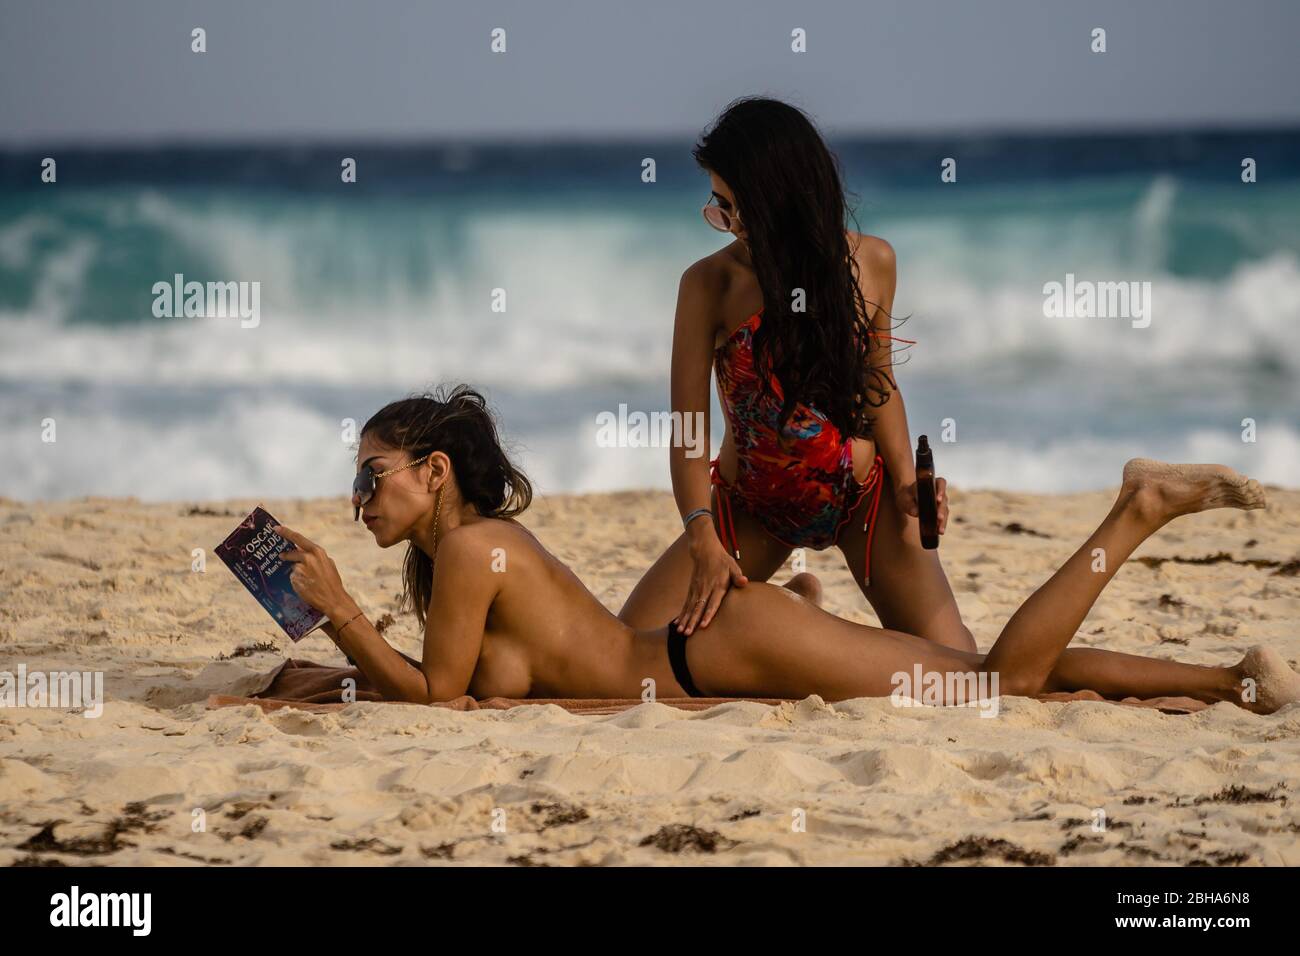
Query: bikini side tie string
876	479
726	526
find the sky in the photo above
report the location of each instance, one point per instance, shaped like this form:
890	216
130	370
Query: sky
123	70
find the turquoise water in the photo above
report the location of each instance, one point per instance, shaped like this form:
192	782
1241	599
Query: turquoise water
372	290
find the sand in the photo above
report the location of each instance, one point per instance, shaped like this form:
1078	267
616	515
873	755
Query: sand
158	778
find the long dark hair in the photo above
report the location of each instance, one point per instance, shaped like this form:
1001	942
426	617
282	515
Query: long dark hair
459	424
789	191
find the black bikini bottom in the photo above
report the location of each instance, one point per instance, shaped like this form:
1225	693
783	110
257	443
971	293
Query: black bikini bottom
677	658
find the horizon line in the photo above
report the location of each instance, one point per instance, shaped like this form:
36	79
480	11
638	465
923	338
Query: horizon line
563	137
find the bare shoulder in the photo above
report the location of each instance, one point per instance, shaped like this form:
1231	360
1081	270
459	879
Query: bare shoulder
877	272
706	280
875	256
475	544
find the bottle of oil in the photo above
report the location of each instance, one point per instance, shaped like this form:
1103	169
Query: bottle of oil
927	510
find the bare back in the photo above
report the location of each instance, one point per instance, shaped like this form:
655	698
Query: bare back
544	634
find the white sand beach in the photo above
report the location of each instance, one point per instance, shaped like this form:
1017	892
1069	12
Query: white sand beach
161	779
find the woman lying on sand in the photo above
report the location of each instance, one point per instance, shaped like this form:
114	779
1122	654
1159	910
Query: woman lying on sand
503	617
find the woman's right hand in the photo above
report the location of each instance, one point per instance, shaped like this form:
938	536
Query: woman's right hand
714	570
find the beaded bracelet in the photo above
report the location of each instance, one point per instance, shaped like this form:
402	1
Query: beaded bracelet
695	514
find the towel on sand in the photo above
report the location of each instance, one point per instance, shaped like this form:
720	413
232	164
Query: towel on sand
318	687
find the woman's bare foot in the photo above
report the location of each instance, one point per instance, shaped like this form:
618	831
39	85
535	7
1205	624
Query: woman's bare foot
806	585
1161	491
1275	684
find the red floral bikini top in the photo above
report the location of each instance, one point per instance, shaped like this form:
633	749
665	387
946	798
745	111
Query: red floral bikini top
797	481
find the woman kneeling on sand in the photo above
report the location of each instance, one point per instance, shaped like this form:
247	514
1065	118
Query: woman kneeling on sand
503	617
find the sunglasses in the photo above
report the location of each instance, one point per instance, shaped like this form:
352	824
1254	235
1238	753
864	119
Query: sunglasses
363	486
719	218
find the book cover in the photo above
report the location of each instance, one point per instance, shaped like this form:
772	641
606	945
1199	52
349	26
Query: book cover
252	552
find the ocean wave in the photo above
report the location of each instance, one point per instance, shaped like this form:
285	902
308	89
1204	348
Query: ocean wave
186	444
405	289
372	298
961	326
1087	463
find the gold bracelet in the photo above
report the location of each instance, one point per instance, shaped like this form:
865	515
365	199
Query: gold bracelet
339	629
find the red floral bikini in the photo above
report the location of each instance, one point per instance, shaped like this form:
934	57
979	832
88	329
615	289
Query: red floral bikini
802	491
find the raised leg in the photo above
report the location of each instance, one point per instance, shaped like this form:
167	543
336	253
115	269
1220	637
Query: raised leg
765	644
1152	494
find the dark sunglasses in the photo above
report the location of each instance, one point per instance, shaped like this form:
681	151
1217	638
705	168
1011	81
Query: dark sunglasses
363	485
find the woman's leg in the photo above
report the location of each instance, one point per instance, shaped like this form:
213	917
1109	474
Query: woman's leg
659	595
908	591
758	645
1117	675
768	642
1152	494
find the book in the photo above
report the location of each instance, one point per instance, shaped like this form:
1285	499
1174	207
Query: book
252	552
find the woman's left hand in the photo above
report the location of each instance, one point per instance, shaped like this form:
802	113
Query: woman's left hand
905	495
315	579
